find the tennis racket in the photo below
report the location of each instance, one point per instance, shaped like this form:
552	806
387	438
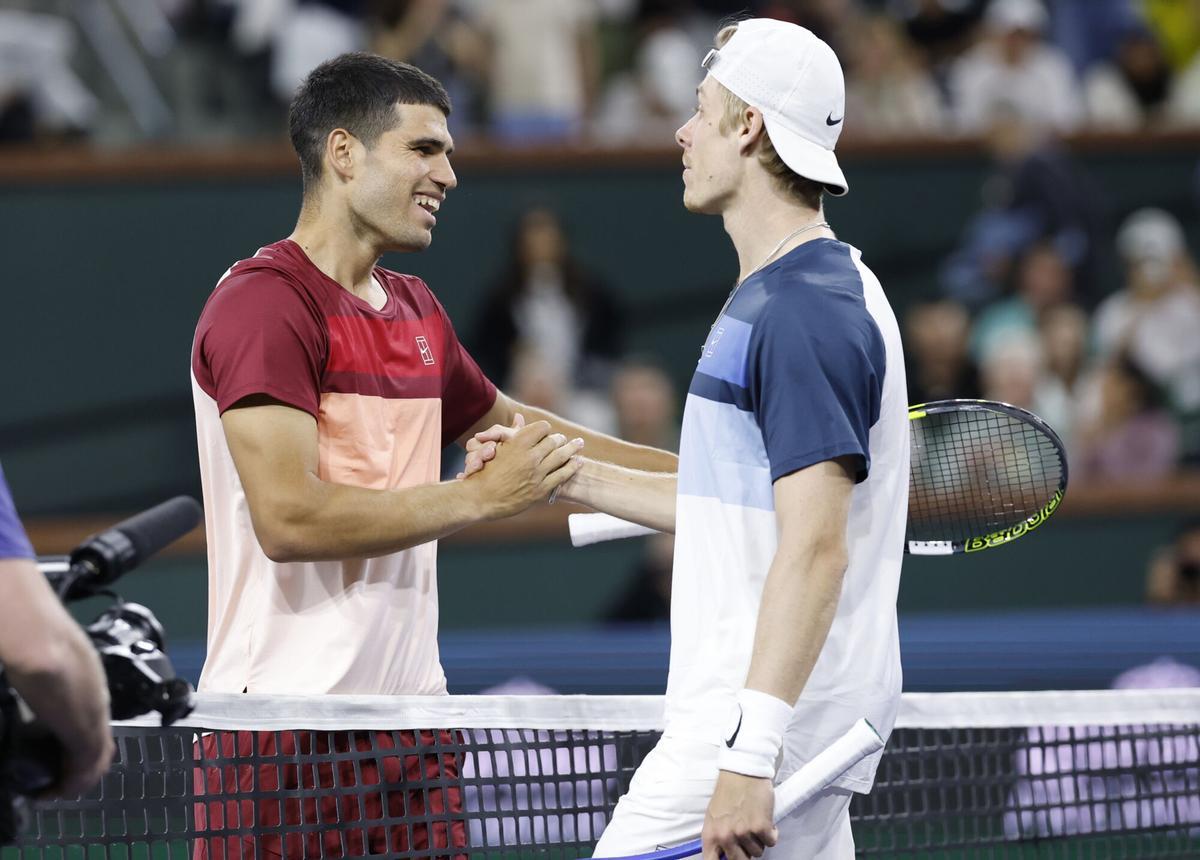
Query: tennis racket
982	475
832	762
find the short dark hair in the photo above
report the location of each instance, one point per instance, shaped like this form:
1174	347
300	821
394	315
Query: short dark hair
358	92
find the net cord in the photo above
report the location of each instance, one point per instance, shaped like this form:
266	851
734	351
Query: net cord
217	711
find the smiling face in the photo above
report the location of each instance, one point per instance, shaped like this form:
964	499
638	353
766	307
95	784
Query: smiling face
710	155
399	183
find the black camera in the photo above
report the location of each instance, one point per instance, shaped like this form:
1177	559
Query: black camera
127	636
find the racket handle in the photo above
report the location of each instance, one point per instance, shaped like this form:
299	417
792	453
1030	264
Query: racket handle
817	774
828	765
593	528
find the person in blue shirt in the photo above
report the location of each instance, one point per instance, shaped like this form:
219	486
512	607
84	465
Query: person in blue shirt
49	661
791	497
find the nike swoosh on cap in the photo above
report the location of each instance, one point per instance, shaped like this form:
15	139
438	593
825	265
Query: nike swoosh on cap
829	120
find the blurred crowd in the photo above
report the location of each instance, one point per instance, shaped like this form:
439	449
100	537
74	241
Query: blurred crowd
528	71
1118	376
1052	299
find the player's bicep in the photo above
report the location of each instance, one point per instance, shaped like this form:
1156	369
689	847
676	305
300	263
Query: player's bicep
812	506
274	448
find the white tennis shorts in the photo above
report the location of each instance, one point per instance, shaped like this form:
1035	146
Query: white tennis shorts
669	795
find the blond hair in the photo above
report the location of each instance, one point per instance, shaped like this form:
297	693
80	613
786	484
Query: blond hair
806	191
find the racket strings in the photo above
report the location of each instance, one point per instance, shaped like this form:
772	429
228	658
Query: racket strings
975	472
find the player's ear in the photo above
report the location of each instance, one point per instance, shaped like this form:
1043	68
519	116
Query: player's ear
750	129
342	153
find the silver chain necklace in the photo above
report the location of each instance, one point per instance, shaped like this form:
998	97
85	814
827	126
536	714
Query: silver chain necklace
789	237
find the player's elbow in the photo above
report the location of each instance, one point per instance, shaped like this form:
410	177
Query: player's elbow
830	557
284	530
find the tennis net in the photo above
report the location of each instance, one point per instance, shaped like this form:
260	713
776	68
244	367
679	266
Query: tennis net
975	775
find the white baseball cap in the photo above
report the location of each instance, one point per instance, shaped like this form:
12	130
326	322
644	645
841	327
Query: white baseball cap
795	79
1017	15
1150	235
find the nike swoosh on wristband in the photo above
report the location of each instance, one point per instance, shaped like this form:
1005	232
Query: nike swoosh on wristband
829	120
732	739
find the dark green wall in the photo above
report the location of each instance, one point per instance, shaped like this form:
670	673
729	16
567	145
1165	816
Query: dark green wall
1069	563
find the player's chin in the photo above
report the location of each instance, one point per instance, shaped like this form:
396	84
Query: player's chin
415	239
697	204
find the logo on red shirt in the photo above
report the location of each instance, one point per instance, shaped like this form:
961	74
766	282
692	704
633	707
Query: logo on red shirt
426	352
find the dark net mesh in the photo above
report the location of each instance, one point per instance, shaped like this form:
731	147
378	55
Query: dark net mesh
1054	792
977	472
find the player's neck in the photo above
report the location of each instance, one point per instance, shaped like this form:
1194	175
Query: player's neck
338	251
758	223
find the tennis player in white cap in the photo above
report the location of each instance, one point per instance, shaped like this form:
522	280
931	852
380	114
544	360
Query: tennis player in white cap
790	501
789	508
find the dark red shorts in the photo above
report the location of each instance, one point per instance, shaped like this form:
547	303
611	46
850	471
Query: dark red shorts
236	774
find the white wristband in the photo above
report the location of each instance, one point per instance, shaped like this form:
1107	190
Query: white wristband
755	735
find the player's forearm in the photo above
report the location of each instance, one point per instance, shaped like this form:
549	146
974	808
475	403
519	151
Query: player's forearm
601	446
799	602
325	521
646	498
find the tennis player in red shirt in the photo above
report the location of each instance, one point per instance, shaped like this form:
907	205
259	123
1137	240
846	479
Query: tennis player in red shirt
325	388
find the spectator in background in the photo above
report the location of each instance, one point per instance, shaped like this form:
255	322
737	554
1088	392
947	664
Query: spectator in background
1183	109
1010	371
889	93
40	94
543	69
940	29
651	100
646	403
1013	66
1174	575
1035	192
1063	331
1042	280
1089	31
1132	88
547	307
1132	436
1177	25
1155	318
308	33
436	37
939	365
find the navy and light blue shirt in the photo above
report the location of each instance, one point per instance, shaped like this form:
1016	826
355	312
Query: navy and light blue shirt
803	366
13	541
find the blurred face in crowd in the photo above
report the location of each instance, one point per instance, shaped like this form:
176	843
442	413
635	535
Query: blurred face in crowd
1010	372
1122	395
645	404
395	187
710	155
1016	43
1044	278
937	333
1152	275
1064	340
541	239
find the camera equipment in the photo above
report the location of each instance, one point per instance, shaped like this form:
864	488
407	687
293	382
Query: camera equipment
128	638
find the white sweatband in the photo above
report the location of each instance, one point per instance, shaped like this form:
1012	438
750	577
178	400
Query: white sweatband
755	734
